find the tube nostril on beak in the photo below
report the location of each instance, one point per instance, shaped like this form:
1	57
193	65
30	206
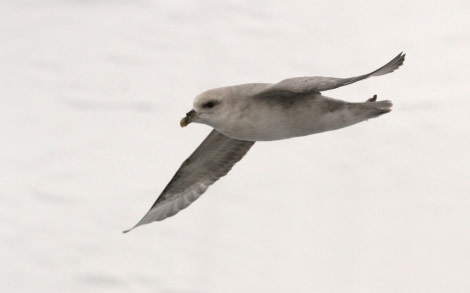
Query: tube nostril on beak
188	119
190	113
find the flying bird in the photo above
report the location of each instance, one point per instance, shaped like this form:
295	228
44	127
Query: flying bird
240	115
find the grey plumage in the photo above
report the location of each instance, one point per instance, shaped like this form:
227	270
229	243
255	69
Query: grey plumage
214	157
243	114
317	84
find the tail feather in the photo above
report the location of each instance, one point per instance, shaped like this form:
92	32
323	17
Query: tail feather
378	108
385	104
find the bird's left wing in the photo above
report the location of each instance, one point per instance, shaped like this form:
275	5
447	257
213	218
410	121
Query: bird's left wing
316	84
211	160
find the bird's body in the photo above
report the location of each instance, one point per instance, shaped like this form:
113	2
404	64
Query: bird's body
244	114
284	116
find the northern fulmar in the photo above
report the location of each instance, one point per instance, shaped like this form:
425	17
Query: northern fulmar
240	115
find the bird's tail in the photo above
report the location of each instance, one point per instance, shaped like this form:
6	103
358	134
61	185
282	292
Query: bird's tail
377	108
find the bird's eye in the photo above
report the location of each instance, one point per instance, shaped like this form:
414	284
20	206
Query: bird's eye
209	104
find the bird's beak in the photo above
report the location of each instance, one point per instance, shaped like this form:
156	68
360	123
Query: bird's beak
190	116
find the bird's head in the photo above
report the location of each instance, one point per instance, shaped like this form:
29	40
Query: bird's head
208	108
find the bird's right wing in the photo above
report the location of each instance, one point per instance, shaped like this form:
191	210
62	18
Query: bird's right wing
214	157
317	84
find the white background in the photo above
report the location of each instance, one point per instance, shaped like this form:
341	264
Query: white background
91	96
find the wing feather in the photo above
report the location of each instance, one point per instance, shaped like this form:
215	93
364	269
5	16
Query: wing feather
317	84
213	159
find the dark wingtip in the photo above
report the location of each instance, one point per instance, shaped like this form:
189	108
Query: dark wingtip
398	60
401	57
128	230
